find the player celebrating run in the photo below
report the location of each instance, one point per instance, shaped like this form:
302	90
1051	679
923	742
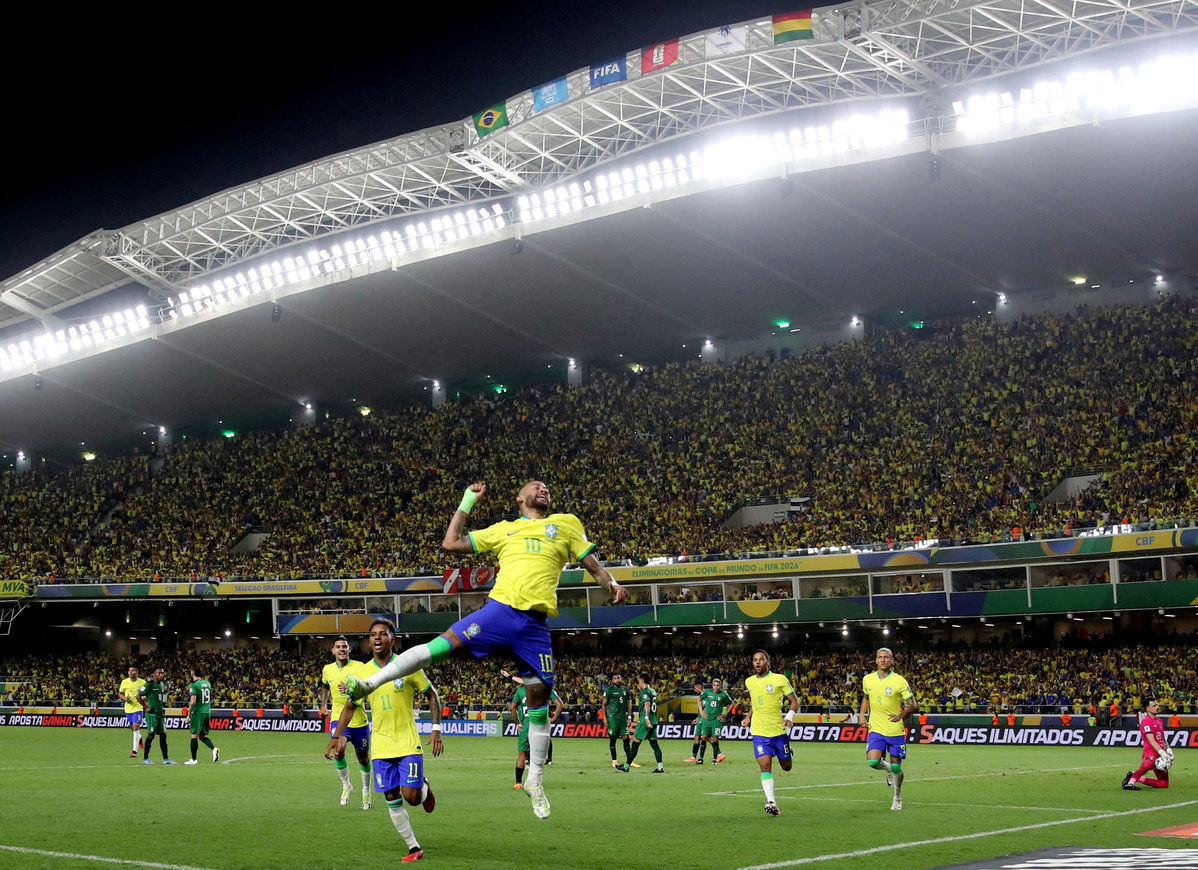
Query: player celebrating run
887	700
1157	757
532	551
712	704
152	696
129	693
395	743
616	712
768	727
332	678
199	705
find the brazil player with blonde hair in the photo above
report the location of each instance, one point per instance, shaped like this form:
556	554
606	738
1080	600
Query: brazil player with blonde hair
769	729
532	551
395	748
886	700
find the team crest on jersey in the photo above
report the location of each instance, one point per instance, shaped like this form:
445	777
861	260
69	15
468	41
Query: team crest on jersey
889	690
769	689
473	629
398	684
551	531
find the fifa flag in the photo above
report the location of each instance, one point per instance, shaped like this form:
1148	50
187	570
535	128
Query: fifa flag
490	120
726	40
614	70
792	25
659	56
550	95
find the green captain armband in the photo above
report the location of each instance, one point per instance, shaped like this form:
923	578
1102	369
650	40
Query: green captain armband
469	497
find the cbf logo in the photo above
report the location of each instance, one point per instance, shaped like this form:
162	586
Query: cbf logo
378	777
398	684
889	690
769	689
551	531
473	629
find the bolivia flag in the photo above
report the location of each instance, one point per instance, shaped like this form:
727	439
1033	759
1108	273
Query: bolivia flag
490	120
792	25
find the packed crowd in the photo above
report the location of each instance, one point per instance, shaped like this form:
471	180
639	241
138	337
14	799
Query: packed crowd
893	437
955	679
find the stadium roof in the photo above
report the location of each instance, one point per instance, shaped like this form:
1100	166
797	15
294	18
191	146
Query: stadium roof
812	238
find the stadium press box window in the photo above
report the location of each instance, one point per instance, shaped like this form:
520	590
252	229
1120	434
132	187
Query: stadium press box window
903	584
1070	574
840	586
989	579
1139	570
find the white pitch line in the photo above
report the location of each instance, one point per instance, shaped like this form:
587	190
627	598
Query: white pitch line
877	781
100	858
826	800
976	836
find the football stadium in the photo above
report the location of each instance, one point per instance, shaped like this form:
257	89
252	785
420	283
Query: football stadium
661	463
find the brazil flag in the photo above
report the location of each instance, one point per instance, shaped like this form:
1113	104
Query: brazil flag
490	120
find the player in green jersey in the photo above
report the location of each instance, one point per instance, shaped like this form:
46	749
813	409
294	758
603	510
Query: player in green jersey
395	747
332	679
887	700
519	710
617	714
199	706
152	695
712	704
646	726
532	551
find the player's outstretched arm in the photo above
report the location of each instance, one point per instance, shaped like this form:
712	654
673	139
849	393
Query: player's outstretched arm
337	740
456	540
604	578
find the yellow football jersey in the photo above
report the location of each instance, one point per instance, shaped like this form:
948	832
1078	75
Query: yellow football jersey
333	676
532	554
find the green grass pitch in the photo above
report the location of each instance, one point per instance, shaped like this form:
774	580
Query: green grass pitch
272	802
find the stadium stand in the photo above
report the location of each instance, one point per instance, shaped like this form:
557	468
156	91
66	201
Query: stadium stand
894	437
994	677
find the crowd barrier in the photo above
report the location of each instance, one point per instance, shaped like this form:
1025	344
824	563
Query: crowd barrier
930	733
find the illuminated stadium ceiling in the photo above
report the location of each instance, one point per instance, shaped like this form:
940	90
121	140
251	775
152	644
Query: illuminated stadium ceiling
707	231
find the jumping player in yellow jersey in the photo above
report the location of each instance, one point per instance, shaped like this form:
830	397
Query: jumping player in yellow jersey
332	680
767	726
394	741
532	551
887	700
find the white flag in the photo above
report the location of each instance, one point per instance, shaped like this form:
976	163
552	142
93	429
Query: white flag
728	39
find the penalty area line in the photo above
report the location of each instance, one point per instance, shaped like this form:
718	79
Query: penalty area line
976	836
72	856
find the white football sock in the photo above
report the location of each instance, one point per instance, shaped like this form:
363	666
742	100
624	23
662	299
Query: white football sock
767	786
407	662
344	774
538	749
399	818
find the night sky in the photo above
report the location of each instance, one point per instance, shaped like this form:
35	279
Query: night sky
117	119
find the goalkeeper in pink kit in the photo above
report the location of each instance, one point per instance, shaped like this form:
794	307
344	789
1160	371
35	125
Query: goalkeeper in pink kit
1157	757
